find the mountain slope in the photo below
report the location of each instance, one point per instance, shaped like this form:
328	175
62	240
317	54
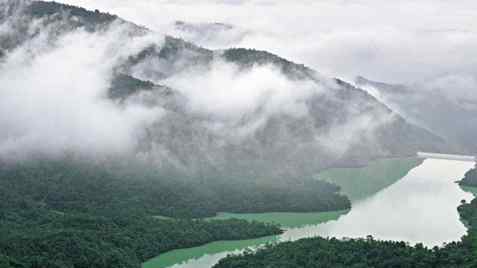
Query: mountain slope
331	123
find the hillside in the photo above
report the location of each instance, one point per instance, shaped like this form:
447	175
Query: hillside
288	127
434	109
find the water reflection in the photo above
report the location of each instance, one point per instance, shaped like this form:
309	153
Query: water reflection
421	207
205	261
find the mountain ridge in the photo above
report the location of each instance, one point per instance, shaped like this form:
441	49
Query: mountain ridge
341	105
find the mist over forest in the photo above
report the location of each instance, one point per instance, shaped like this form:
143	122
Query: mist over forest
178	105
118	117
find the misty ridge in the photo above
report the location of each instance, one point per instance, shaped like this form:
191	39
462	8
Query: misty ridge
87	83
419	103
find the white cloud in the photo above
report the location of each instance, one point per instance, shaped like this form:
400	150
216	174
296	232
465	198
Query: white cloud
230	93
52	98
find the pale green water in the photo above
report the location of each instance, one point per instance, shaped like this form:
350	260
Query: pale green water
396	199
207	255
420	207
211	249
470	189
287	220
360	183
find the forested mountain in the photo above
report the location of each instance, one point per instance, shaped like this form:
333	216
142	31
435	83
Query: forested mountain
332	124
343	125
196	154
434	108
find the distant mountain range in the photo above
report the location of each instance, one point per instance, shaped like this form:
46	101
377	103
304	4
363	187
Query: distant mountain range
453	119
343	125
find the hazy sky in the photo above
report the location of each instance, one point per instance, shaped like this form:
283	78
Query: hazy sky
398	41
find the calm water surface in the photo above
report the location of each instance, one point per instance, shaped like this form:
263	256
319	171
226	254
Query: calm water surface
415	204
421	207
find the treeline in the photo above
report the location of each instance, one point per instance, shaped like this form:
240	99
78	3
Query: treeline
249	57
321	252
41	9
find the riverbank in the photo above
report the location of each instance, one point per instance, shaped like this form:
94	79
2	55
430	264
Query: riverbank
285	220
367	252
206	255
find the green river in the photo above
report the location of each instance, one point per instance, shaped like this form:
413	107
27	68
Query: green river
406	199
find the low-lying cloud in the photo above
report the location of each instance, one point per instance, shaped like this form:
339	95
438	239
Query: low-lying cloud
227	92
53	97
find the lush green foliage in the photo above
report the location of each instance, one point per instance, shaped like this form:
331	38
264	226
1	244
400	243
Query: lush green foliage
121	188
45	238
78	213
321	252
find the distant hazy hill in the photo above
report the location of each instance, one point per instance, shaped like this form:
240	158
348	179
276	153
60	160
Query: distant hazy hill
454	120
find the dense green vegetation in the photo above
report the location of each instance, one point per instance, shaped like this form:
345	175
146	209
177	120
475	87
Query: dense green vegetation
120	188
38	237
78	213
72	214
322	252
